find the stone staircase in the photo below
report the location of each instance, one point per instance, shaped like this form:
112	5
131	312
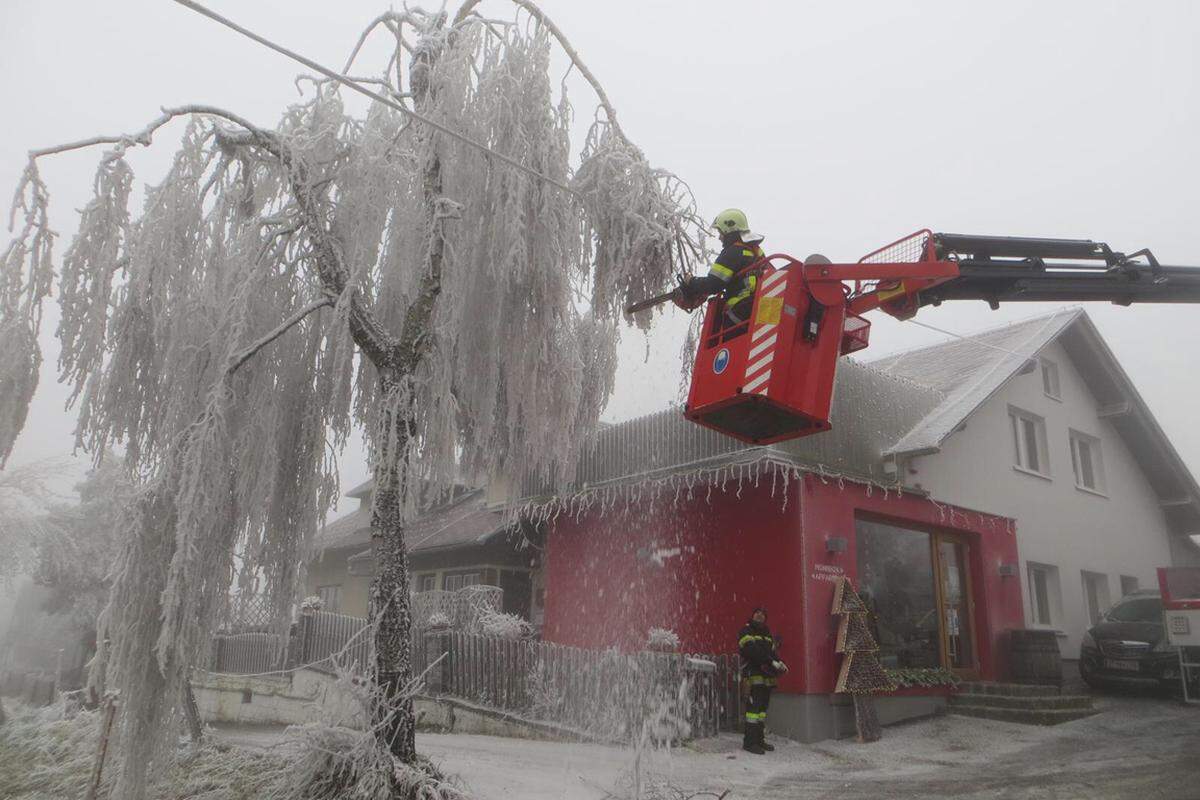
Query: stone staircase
1016	702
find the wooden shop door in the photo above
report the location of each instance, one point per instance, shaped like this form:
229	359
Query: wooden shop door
955	608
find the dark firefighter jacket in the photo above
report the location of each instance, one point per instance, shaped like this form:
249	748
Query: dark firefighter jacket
756	646
721	276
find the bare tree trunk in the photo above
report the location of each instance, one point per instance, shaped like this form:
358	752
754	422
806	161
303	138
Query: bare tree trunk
191	713
390	598
390	610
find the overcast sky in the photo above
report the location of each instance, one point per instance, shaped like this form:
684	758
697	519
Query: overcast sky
838	127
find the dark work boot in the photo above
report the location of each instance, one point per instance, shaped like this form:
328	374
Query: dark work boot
752	739
765	745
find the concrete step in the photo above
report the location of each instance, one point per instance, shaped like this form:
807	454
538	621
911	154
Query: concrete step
1023	716
1034	703
1008	689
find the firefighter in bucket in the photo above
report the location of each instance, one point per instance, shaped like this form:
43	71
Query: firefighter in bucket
760	668
739	249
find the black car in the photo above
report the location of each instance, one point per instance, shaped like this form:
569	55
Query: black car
1129	645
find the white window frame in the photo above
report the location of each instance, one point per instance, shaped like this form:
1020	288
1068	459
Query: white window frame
1039	465
427	581
1051	384
1103	602
1052	595
1095	457
452	582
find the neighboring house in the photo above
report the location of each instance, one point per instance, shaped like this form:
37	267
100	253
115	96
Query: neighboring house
961	499
459	543
1040	423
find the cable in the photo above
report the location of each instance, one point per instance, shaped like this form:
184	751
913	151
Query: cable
970	339
342	79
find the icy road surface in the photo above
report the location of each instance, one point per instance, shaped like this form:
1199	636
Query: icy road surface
1143	747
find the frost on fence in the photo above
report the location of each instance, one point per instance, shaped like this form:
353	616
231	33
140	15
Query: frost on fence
662	639
462	608
612	696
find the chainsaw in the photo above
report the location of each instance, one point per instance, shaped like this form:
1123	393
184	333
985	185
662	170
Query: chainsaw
680	296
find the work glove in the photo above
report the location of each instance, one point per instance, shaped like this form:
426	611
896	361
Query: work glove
687	297
779	666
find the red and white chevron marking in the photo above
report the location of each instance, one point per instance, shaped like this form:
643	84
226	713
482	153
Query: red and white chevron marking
763	339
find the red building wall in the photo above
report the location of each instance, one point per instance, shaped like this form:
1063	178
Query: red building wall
699	566
718	557
829	510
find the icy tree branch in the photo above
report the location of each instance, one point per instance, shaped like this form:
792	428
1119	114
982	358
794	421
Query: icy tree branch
248	353
610	113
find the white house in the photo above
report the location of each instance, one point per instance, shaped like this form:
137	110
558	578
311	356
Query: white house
1039	422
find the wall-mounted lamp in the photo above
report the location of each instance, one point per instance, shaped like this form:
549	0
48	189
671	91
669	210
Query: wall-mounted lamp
1007	570
835	544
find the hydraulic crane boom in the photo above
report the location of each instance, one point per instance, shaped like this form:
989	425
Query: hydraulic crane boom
1000	269
771	377
1004	269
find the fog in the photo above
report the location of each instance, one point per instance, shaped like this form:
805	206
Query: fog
837	127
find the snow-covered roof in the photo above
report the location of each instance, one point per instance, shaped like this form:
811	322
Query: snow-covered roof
966	372
870	409
463	521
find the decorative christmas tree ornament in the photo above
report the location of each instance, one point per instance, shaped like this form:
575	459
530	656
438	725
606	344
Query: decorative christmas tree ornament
861	674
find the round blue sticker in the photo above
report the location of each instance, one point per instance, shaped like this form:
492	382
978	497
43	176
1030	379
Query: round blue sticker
721	361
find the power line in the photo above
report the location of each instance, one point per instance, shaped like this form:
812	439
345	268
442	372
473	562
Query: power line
971	339
376	96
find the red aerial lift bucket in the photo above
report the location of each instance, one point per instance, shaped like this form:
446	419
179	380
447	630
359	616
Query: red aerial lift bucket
771	377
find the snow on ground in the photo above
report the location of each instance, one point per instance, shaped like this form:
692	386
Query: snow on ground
1141	747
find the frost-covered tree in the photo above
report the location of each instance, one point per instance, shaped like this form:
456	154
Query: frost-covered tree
25	497
79	542
439	271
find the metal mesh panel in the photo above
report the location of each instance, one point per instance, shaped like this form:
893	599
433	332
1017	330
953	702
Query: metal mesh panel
908	250
461	608
246	613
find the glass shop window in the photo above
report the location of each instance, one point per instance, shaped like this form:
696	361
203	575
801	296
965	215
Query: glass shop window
896	581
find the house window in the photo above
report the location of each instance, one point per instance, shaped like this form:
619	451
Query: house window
1050	379
1045	599
1029	442
453	583
331	597
1129	585
1087	462
1095	595
896	581
427	582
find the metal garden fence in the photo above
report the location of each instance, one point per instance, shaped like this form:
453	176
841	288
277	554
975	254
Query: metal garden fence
602	692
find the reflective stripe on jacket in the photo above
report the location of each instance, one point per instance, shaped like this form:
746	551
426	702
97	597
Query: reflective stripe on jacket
734	258
756	646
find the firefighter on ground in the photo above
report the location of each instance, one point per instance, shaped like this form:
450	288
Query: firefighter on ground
760	668
739	249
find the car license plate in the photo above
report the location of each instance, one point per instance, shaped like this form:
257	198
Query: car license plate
1128	666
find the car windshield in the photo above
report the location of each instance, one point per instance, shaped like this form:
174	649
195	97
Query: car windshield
1141	609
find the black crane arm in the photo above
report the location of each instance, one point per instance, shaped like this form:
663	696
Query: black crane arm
1000	269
